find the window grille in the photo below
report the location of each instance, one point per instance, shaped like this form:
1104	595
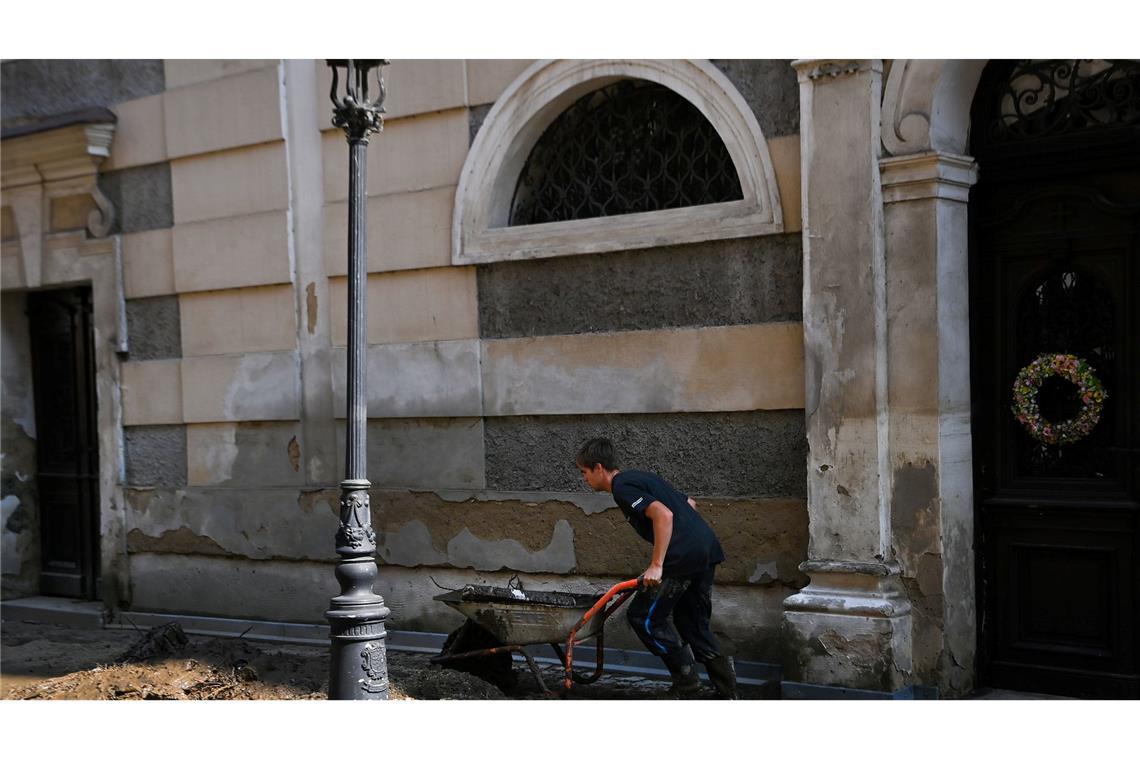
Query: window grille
632	146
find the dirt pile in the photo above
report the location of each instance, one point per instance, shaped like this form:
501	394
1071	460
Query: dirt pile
165	663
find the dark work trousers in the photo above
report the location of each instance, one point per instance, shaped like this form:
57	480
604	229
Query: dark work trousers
689	600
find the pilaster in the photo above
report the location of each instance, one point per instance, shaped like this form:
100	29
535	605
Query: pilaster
851	625
299	107
928	348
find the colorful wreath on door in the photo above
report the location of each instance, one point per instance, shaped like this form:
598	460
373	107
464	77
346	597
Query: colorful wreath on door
1089	388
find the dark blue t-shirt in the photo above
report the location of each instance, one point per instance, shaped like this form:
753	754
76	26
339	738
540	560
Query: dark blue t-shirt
693	545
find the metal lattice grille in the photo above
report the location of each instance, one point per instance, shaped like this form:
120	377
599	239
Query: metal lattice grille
1055	97
629	147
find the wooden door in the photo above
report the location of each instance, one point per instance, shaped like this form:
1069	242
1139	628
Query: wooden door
1055	269
63	371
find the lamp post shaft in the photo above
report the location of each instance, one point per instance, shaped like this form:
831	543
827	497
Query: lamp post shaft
358	311
358	657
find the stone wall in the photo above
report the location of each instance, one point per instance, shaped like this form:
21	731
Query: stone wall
482	379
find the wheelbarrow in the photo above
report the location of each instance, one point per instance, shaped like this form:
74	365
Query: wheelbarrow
520	618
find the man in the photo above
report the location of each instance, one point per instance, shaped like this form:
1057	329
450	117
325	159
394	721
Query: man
679	579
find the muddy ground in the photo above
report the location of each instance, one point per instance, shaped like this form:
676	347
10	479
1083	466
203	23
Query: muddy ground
39	661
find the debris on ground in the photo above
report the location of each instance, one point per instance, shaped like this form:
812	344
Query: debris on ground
166	639
42	661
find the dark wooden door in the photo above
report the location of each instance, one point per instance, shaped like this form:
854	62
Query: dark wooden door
1055	269
63	370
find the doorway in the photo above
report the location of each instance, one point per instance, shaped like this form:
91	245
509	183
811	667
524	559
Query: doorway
67	456
1055	271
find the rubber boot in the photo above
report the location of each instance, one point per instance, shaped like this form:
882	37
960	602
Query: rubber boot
683	669
722	675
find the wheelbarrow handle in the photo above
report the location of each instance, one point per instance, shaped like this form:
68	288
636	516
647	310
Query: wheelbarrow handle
601	603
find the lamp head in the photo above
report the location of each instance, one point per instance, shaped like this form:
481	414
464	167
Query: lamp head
357	108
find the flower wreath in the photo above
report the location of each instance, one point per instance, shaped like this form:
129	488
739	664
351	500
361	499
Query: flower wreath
1076	371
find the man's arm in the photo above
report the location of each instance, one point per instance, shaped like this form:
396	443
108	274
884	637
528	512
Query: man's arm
662	519
692	504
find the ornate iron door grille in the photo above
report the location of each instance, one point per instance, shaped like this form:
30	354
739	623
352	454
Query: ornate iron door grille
1050	98
632	146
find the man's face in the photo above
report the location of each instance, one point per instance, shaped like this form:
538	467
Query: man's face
595	476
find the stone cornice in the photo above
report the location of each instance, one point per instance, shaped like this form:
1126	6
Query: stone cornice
928	175
72	151
824	70
38	167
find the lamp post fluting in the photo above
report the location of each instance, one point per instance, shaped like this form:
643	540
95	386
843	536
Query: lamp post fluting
358	658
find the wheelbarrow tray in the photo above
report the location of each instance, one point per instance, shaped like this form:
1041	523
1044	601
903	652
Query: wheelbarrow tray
520	618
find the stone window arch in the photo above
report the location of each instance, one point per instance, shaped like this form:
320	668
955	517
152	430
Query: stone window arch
481	226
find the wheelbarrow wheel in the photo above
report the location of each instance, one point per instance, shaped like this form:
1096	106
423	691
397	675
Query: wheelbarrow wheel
497	668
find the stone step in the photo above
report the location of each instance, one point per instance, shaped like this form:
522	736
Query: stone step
75	613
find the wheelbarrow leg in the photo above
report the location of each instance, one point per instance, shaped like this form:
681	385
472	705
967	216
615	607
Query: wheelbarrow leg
599	661
534	669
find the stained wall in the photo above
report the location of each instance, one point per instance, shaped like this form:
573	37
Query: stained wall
483	379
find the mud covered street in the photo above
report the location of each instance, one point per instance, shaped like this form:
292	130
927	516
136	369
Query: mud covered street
40	661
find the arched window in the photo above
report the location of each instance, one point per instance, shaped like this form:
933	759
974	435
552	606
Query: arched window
591	156
629	147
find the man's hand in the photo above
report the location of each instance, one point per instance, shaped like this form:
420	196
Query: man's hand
651	578
662	519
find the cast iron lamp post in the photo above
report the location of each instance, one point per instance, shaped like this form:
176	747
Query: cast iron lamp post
359	663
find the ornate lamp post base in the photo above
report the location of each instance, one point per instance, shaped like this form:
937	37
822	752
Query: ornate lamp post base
359	663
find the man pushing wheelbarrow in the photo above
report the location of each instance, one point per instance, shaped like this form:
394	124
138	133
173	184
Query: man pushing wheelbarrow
678	582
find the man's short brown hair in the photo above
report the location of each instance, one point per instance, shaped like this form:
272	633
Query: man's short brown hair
597	451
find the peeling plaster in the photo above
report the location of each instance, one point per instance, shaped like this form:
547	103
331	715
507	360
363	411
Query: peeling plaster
294	454
589	503
863	647
466	550
179	541
929	574
9	544
765	574
247	523
27	421
220	456
410	546
308	500
250	454
19	399
915	513
311	307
